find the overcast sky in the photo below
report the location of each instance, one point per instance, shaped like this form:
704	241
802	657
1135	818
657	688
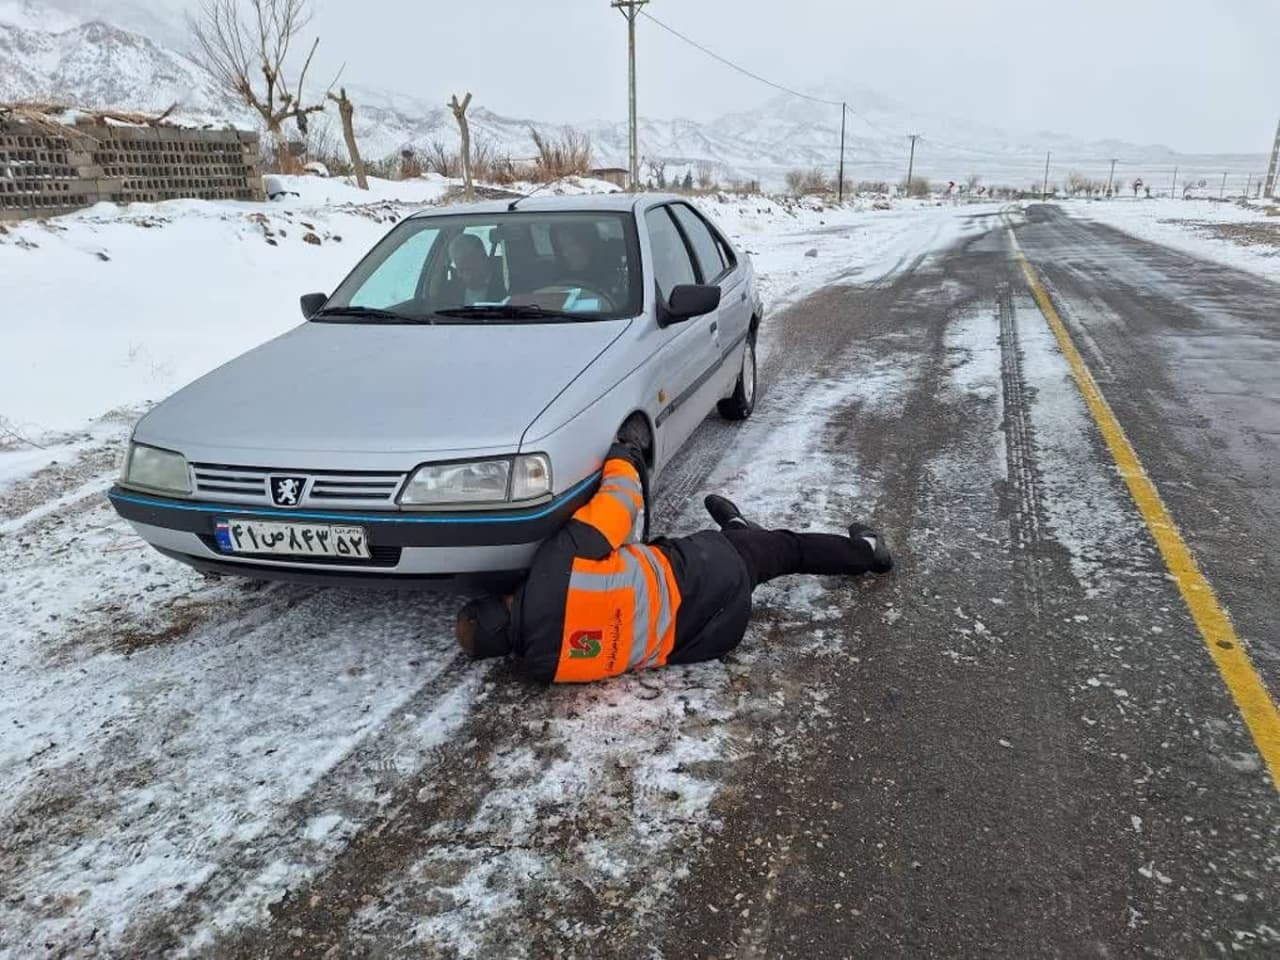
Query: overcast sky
1197	75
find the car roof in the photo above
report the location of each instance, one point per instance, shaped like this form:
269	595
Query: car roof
550	202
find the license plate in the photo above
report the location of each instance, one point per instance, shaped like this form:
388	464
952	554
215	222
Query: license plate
291	539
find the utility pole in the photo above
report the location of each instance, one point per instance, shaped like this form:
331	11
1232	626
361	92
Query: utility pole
912	162
1173	190
1111	176
1044	191
840	185
1269	188
1222	191
631	9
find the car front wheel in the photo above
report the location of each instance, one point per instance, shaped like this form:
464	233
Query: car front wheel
743	401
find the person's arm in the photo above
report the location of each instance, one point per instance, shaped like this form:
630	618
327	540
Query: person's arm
605	522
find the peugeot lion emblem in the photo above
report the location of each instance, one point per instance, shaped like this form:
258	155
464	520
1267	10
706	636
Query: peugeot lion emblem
287	491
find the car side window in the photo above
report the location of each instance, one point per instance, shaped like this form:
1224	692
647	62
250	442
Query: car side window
671	263
396	279
704	244
726	251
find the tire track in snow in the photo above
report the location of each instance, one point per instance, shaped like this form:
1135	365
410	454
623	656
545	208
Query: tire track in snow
1025	522
393	755
792	348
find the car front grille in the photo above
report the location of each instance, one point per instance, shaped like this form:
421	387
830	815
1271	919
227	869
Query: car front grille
320	488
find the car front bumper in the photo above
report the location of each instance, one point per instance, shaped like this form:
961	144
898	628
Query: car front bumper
405	545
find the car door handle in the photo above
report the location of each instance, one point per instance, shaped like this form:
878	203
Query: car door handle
744	295
715	326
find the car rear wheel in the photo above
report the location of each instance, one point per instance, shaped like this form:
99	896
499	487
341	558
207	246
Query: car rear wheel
743	401
636	433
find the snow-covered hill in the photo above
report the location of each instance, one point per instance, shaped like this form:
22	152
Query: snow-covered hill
96	64
64	49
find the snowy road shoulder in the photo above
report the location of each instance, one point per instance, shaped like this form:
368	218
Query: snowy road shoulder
1243	237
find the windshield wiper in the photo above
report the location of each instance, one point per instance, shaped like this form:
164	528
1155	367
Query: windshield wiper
509	311
369	313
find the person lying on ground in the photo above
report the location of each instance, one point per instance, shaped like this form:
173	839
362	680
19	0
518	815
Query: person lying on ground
595	603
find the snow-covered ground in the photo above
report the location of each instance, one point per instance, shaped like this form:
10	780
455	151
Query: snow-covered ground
1233	234
226	739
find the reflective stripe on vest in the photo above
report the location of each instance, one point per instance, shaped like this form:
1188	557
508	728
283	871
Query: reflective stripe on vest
620	614
613	510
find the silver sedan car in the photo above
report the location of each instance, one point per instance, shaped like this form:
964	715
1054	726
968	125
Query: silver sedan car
449	405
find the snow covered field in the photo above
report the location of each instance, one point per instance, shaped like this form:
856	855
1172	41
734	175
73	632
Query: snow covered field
1237	236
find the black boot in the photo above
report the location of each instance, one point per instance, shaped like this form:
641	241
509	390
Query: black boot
726	513
881	558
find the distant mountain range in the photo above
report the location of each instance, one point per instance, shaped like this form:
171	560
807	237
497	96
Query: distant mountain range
122	53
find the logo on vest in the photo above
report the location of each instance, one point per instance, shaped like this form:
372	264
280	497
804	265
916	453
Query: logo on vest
585	644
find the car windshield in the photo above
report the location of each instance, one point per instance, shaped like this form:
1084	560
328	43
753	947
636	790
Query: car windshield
510	267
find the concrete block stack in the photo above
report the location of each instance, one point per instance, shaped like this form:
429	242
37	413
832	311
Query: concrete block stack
48	167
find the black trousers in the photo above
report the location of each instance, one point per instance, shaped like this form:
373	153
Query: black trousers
776	553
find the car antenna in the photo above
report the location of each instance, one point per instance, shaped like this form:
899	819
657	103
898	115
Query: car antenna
542	186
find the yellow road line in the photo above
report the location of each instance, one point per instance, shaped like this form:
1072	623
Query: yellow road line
1238	672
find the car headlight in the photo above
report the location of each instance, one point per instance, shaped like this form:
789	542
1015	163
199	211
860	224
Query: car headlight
156	469
525	477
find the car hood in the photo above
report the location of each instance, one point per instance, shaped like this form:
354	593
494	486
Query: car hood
379	388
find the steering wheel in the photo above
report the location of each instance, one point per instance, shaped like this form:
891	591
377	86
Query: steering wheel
584	293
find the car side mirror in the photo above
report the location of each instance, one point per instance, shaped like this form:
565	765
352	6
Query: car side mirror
311	303
691	300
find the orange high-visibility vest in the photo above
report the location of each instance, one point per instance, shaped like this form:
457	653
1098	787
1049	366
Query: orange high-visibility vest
620	612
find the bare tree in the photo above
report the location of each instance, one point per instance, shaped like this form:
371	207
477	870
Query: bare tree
484	158
442	160
706	175
321	143
562	154
460	114
1078	183
658	172
972	182
239	41
347	112
805	182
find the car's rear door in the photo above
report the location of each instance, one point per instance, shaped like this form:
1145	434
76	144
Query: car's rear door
690	356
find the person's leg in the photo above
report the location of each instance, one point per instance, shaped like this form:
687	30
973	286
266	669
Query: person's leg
776	553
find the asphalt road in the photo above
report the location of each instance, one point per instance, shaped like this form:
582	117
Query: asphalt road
1016	745
1072	779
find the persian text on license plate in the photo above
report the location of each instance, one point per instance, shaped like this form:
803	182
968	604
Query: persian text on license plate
291	539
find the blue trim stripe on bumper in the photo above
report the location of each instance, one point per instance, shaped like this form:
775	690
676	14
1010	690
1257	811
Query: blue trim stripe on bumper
390	528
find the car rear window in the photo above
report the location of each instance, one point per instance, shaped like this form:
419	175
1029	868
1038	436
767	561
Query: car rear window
704	244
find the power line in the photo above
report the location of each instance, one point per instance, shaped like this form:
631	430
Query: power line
743	70
755	76
1019	153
